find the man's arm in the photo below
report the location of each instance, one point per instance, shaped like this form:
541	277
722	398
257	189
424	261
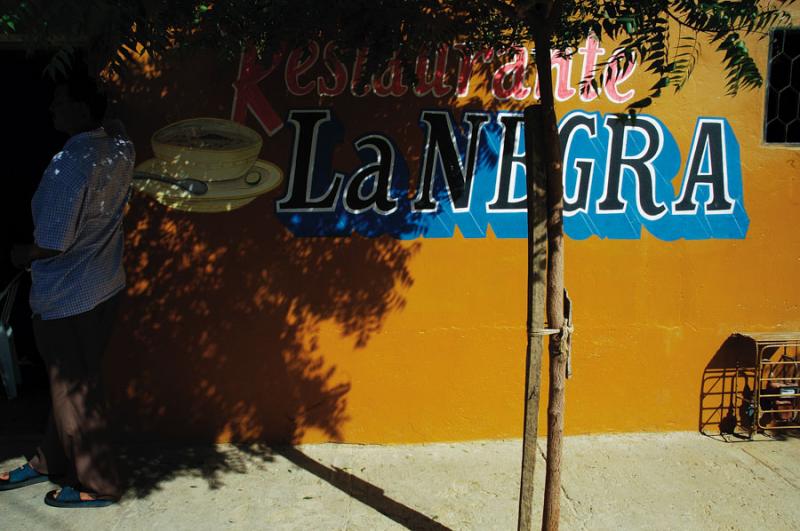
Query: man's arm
23	254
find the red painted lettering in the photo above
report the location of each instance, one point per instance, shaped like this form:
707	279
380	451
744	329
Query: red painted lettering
357	87
390	82
465	63
437	83
590	53
508	81
337	70
562	62
618	71
299	62
563	65
248	96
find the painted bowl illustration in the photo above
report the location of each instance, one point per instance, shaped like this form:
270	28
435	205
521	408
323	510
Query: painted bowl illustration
214	149
206	165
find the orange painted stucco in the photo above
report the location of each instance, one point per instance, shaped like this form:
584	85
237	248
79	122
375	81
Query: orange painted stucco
233	329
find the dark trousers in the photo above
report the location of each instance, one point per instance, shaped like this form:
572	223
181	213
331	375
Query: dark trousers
76	443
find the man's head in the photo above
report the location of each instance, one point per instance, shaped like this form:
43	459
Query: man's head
77	105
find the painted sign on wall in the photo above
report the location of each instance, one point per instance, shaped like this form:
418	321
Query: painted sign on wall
619	176
385	340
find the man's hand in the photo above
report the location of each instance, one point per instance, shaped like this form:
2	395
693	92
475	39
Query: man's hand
23	254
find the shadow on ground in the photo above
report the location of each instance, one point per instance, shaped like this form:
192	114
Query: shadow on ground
361	490
148	467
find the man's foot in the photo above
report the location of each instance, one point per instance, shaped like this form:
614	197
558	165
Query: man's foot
68	497
21	477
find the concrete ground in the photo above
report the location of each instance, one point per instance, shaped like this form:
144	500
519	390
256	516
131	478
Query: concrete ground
632	481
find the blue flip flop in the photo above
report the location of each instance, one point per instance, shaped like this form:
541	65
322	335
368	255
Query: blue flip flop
22	477
70	498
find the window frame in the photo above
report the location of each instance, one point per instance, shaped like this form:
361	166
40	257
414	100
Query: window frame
767	78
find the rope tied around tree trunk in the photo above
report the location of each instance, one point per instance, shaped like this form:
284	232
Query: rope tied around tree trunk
541	332
562	347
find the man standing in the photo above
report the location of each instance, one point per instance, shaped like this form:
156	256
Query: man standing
77	279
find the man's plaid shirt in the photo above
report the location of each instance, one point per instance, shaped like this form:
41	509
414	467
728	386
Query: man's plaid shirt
78	210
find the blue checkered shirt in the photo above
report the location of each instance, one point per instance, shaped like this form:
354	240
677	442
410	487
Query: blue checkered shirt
78	210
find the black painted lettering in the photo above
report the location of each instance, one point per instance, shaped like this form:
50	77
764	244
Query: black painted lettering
298	192
509	161
441	147
643	171
378	174
579	202
708	143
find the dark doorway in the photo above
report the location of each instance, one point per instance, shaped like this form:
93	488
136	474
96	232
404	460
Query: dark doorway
29	142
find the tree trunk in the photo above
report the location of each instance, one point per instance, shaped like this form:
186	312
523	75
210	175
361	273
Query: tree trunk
537	264
551	157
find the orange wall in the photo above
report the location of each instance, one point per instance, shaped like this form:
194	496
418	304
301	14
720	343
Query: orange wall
234	329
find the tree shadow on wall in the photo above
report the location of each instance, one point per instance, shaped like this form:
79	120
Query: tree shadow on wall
219	337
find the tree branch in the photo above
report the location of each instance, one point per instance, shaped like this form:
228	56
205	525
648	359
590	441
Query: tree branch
701	30
683	23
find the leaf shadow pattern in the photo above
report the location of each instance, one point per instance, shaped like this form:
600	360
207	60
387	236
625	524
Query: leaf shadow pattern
147	466
219	335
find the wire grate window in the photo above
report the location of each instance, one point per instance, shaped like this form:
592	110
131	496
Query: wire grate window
782	119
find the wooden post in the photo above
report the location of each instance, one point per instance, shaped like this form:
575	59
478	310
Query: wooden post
552	163
555	435
537	267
